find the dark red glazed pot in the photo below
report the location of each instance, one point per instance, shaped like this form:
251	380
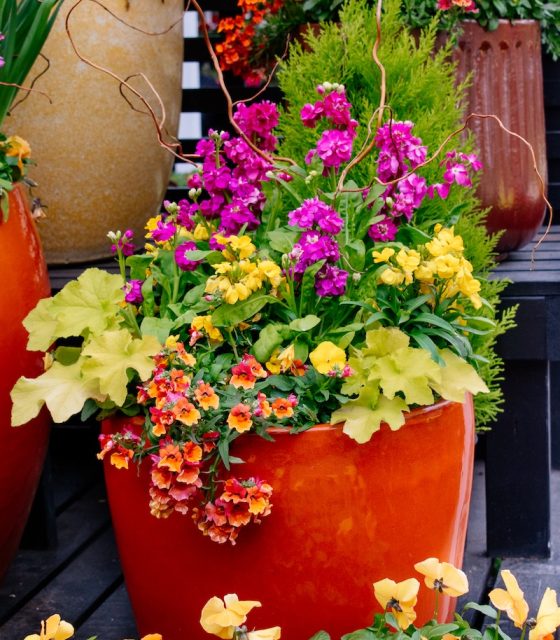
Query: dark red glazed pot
25	281
344	516
507	81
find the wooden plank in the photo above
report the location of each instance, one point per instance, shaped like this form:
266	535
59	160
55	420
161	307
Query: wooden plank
112	619
81	523
74	592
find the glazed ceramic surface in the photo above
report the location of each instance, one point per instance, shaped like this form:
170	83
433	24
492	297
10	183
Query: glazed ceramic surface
24	283
344	515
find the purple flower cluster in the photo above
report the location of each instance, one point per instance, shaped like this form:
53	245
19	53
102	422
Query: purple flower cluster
133	291
400	152
123	243
334	147
320	223
232	171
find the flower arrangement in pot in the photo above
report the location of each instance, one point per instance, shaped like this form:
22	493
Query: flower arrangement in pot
24	27
499	47
286	339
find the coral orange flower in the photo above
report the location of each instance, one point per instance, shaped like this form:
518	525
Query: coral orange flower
54	628
221	617
548	617
443	577
255	366
186	412
243	376
399	598
283	408
239	418
171	457
192	452
510	599
206	396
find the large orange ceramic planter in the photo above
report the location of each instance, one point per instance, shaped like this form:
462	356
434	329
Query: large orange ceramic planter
25	281
344	515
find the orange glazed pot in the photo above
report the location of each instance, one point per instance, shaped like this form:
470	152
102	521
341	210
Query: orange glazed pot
344	516
24	283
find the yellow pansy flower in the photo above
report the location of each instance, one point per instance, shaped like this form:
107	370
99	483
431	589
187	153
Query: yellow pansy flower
399	598
221	618
54	628
443	577
384	255
273	363
18	148
510	599
327	356
392	277
548	616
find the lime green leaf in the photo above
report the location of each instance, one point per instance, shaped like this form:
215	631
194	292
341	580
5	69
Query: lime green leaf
157	327
41	326
61	388
304	324
385	340
458	377
90	302
67	355
269	339
409	371
361	422
112	354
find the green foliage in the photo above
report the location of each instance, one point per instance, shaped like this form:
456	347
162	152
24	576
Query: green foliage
420	88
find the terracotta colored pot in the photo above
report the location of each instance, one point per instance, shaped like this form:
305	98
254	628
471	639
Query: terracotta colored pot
25	282
99	163
507	82
344	515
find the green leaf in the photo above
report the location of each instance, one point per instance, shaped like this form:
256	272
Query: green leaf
457	378
361	422
212	256
41	324
269	340
282	240
385	340
193	295
230	315
356	253
439	630
485	609
157	327
138	266
112	354
61	388
320	635
67	355
304	324
360	634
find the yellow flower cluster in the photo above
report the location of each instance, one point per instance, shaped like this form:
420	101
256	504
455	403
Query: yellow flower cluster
442	263
239	276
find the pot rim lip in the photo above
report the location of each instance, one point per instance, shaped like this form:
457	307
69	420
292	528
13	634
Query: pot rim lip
410	417
502	21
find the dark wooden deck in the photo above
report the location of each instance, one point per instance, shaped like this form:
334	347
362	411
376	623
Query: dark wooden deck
81	579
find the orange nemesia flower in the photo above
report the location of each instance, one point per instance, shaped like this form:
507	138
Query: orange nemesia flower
186	412
283	408
171	457
239	418
206	396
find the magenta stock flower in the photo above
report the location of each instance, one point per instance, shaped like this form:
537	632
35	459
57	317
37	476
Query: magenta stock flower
335	147
133	291
124	243
257	123
315	212
330	281
163	231
183	262
383	231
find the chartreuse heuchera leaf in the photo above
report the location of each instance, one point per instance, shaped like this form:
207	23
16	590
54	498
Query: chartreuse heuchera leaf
61	388
110	355
89	303
389	377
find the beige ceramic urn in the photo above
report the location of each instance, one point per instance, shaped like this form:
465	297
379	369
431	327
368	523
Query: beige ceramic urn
99	165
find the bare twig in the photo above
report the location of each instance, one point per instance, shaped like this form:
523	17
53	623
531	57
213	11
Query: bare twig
28	89
39	75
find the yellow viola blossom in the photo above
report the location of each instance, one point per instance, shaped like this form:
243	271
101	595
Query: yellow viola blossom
399	598
443	577
54	628
273	363
328	357
273	633
19	148
204	323
548	617
384	255
510	599
222	617
392	277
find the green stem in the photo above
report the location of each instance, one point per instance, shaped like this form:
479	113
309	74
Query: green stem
231	340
